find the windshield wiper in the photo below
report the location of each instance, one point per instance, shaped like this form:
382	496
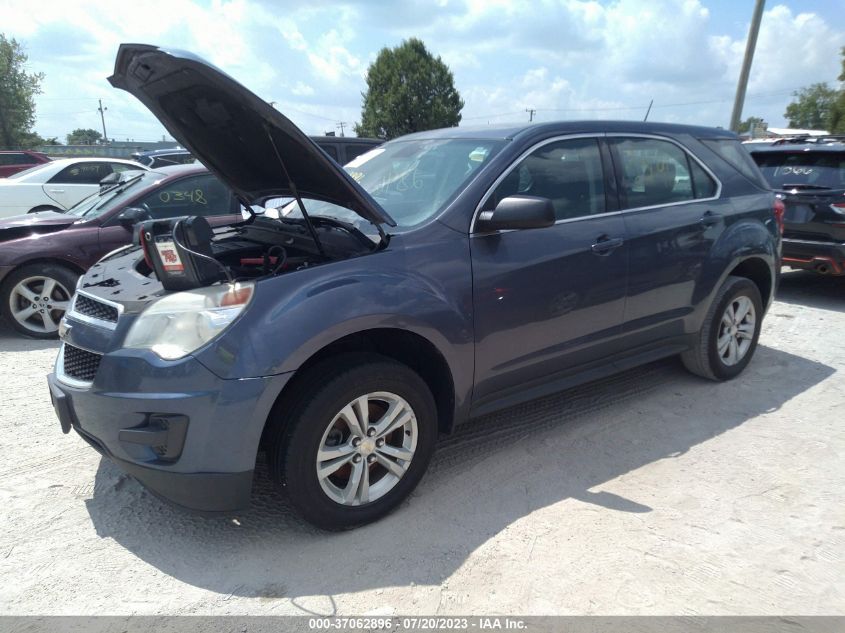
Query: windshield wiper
114	190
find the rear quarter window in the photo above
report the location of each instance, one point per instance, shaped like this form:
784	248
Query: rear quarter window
738	157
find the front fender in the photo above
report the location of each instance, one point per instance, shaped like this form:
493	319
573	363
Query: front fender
424	288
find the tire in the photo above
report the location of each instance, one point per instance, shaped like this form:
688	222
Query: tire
21	290
314	419
709	357
45	207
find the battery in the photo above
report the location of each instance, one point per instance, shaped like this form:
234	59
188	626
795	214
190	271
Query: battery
172	247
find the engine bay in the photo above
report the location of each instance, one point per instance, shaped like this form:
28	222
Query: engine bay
186	253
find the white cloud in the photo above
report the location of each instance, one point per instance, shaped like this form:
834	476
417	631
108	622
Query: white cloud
565	58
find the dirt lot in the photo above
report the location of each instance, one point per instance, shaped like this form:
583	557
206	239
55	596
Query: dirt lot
650	493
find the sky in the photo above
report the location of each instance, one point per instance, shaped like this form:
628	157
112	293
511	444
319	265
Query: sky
566	59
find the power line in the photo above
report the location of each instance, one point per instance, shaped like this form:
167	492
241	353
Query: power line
635	107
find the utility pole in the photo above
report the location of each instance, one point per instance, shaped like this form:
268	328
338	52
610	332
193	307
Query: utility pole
103	119
750	45
531	112
340	126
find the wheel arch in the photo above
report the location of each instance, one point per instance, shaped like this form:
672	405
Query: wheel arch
404	346
759	271
47	261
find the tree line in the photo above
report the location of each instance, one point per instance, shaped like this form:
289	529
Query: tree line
814	107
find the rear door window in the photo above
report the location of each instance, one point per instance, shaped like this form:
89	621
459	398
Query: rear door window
121	167
89	173
655	172
808	170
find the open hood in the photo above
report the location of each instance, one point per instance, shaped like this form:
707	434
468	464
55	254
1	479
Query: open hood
246	142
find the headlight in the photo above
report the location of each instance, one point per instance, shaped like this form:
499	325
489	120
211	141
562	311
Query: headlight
178	324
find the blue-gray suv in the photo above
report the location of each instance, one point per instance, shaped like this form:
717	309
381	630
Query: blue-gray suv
371	308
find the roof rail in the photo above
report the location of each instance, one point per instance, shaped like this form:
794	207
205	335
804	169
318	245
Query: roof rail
807	138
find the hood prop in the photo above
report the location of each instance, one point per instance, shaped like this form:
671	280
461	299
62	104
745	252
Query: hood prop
295	192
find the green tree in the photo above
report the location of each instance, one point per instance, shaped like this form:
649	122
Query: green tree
752	124
408	90
17	95
82	136
813	107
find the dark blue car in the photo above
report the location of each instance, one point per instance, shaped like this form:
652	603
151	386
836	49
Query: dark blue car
439	277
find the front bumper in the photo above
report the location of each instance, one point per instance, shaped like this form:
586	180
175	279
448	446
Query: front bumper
188	436
825	257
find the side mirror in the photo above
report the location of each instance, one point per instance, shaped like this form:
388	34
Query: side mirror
517	212
109	181
130	216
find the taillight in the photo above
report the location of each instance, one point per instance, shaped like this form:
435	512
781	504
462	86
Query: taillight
779	208
838	207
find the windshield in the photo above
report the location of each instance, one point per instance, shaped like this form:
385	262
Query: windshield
411	180
813	170
99	203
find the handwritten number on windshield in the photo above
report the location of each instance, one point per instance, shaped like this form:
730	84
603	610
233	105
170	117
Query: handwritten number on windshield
197	196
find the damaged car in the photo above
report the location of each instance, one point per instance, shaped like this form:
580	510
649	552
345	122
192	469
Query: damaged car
43	254
436	278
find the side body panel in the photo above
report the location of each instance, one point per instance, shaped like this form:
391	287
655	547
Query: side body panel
421	285
544	302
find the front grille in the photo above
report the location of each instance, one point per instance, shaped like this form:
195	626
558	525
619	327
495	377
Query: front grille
80	364
95	309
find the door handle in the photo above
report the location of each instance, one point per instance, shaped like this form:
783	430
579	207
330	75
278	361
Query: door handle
605	245
709	218
57	190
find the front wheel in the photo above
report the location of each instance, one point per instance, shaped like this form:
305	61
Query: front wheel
728	336
357	444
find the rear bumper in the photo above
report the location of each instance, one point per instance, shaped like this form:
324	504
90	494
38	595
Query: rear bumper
823	257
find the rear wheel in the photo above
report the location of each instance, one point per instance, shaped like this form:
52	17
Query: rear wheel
356	442
36	297
728	337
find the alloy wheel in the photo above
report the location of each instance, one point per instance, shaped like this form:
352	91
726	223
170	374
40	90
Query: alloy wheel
736	330
38	303
367	448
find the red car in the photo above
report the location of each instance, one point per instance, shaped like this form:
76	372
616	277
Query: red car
13	162
42	254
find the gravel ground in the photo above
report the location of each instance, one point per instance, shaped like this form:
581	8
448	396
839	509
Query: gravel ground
653	492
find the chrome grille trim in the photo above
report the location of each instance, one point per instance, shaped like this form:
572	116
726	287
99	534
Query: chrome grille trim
109	306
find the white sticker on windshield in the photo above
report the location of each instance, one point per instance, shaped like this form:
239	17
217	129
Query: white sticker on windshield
363	158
